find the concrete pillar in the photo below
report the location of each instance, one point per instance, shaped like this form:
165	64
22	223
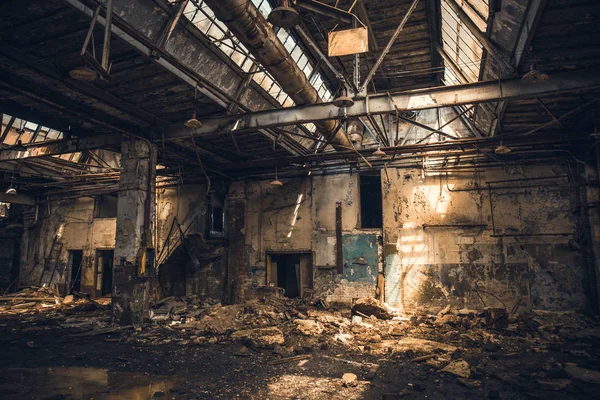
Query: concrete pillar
235	227
591	210
134	249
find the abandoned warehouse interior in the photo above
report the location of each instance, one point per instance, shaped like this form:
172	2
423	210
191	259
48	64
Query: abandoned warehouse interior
258	199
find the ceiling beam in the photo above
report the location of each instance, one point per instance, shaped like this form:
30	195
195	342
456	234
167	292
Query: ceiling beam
35	64
63	146
445	96
207	69
363	87
18	198
532	17
326	9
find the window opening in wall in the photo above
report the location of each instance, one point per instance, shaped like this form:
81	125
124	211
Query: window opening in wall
216	215
76	258
105	206
290	271
217	219
104	271
371	207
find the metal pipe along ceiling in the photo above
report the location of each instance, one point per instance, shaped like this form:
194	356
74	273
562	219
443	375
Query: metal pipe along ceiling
253	30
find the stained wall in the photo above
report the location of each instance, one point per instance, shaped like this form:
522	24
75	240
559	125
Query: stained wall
440	244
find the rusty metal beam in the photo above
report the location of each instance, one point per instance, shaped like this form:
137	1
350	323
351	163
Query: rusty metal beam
55	147
363	15
254	32
107	34
531	20
322	57
19	198
422	99
169	28
118	104
7	129
326	9
387	48
211	72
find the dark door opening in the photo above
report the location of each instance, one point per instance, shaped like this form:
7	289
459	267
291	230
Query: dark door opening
76	257
371	204
291	272
104	270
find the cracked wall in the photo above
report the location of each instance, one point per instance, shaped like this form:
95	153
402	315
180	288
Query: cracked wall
444	247
440	245
72	224
79	230
300	216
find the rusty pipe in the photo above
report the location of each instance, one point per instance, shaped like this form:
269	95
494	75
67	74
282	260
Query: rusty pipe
253	30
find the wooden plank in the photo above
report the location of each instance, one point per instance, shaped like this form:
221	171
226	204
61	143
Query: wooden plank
349	41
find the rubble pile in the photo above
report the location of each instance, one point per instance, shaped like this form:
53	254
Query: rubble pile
468	347
33	300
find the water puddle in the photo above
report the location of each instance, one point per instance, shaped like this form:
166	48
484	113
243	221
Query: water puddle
82	383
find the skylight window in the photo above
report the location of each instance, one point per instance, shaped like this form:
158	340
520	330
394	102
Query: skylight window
459	43
15	129
204	19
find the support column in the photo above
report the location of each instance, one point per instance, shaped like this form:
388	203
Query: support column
235	212
134	249
593	206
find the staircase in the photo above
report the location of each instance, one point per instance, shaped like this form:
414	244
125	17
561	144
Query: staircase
177	237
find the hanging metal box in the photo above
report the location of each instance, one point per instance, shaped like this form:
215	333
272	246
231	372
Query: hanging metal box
349	41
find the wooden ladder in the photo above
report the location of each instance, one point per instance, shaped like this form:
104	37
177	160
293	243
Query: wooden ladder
51	261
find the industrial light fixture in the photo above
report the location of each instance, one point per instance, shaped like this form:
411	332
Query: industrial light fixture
276	182
343	100
85	74
193	122
379	152
11	189
284	16
534	75
501	149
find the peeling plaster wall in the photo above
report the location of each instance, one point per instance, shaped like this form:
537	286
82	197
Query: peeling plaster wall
80	231
429	265
73	221
300	216
178	275
427	261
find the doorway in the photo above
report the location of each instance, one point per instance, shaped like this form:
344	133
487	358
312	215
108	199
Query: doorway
290	271
104	271
76	258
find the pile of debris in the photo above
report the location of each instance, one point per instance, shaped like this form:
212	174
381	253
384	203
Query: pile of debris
40	299
465	344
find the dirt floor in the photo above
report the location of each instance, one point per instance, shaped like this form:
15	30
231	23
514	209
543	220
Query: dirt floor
277	349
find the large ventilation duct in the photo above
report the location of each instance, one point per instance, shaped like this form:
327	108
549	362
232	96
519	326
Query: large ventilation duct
253	30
